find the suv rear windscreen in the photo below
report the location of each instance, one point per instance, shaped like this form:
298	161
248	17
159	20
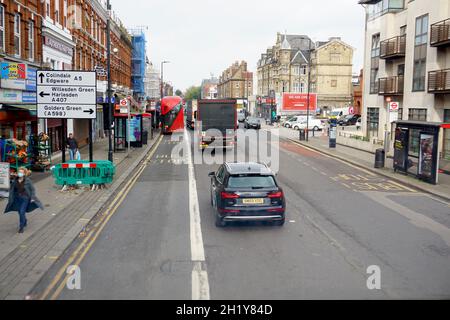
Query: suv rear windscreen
251	182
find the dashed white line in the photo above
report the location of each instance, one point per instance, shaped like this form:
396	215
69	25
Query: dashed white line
200	285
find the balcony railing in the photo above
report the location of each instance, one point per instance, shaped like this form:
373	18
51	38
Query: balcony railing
440	34
393	48
391	86
439	81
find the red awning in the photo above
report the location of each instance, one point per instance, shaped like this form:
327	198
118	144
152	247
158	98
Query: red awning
446	126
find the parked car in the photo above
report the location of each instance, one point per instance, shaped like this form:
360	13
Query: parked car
246	191
349	120
313	124
296	119
241	116
252	123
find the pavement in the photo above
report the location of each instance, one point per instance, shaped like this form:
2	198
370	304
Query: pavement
366	160
160	241
24	258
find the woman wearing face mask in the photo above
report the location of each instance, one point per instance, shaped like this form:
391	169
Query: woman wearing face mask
22	198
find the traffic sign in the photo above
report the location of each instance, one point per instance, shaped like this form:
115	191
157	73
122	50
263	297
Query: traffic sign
123	103
66	94
393	106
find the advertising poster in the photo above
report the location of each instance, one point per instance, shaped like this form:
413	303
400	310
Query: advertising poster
400	149
4	179
135	129
299	102
426	155
13	71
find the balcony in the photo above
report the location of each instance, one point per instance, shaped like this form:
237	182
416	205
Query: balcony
393	48
439	81
391	86
440	34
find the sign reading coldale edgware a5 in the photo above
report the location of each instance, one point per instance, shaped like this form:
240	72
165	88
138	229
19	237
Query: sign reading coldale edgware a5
66	94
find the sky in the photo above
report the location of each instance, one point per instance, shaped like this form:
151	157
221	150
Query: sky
204	37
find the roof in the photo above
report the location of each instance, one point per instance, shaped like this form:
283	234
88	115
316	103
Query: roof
285	45
247	168
419	123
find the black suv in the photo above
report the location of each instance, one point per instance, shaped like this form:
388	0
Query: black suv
246	192
349	120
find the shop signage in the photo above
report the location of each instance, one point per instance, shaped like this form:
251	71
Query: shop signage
31	79
66	94
13	71
10	96
28	97
54	44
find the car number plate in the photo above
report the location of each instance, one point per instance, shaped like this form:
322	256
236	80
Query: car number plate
253	201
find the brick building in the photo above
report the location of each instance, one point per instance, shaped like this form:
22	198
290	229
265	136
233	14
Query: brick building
236	82
20	57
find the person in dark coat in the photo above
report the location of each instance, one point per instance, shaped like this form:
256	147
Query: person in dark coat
22	198
73	146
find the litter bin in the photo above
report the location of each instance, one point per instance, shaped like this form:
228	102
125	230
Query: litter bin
145	137
379	158
302	135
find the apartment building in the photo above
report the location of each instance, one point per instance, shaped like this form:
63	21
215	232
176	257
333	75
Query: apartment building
20	57
407	60
236	82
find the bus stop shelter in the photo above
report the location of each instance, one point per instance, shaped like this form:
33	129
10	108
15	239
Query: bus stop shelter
416	149
139	126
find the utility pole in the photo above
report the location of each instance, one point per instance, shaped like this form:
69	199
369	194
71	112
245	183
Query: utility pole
309	89
162	78
108	54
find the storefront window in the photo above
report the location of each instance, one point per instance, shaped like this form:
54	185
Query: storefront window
447	135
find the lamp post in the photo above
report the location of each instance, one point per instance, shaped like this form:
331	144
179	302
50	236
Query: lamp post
162	77
108	54
309	89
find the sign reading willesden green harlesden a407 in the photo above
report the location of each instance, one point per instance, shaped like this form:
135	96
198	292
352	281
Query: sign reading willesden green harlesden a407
66	94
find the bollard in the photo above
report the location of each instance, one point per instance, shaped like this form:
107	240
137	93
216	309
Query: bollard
302	135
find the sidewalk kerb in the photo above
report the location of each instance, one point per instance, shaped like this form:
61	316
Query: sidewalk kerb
63	244
381	173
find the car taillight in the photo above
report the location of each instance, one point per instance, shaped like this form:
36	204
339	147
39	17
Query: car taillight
227	195
275	195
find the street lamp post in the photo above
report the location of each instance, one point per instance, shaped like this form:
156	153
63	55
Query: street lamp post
108	54
309	89
162	77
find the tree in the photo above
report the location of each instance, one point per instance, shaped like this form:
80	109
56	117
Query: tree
178	93
193	93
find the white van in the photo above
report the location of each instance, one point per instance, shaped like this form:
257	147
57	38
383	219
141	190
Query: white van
313	124
339	113
296	119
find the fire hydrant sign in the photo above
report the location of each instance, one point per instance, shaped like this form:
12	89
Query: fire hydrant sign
66	94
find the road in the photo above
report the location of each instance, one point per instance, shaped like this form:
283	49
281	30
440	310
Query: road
340	221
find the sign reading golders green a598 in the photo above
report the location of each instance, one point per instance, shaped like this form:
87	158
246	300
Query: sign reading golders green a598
66	94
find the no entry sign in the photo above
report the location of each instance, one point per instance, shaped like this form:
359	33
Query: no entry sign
393	106
66	94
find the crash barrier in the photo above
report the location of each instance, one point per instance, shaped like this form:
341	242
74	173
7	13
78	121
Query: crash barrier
99	172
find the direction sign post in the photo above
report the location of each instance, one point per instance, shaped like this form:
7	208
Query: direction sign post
67	95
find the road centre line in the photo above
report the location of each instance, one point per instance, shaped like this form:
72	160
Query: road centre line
200	284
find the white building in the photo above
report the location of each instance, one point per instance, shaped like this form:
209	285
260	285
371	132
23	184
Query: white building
152	82
407	60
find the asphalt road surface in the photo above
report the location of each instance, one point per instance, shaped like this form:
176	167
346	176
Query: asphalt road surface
161	243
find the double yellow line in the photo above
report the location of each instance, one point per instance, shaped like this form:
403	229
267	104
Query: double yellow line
80	252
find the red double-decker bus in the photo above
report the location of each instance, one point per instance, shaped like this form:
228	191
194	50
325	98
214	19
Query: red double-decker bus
172	114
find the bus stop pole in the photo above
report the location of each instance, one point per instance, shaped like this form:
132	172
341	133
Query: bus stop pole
91	143
128	129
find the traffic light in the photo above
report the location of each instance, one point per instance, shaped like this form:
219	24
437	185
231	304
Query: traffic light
274	113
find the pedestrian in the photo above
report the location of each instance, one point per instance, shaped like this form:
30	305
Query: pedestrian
22	197
73	147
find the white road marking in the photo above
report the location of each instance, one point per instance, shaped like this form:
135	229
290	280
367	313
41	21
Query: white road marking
200	285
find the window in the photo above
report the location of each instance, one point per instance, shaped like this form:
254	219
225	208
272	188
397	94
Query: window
402	30
303	70
2	27
47	8
400	113
335	57
420	53
57	11
375	58
31	40
417	114
302	87
333	83
447	135
414	145
17	35
65	14
373	119
251	182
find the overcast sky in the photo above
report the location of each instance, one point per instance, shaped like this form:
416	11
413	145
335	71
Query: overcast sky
200	37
